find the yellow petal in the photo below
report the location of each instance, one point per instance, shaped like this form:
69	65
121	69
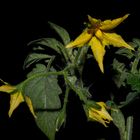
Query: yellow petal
102	104
111	24
83	38
115	40
93	20
101	115
96	117
15	100
99	35
103	111
7	88
98	51
29	103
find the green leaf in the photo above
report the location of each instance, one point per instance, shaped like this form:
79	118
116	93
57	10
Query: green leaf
61	32
34	57
120	76
38	48
118	65
125	52
61	119
118	119
44	93
136	41
81	57
119	79
130	98
48	42
40	68
134	81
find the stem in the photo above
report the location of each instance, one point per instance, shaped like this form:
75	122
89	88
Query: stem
78	54
23	84
65	54
50	62
81	56
129	128
75	89
63	72
127	135
66	97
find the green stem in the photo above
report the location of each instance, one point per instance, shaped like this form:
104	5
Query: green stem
63	72
127	135
75	89
65	54
78	54
50	62
81	56
25	82
129	127
66	97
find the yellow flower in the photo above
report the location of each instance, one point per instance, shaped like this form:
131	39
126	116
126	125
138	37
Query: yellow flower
7	87
101	116
15	100
16	97
98	35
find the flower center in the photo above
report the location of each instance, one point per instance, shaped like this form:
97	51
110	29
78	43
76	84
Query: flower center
94	27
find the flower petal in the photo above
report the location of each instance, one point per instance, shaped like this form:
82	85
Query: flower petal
98	51
83	38
101	115
104	114
7	88
94	116
29	103
15	100
99	35
93	20
115	40
111	24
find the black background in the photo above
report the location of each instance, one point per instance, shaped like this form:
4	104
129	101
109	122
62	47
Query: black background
24	21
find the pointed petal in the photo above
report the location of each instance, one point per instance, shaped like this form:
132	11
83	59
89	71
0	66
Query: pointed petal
92	20
15	100
101	115
98	51
99	35
94	116
111	24
7	88
80	40
29	103
115	40
104	114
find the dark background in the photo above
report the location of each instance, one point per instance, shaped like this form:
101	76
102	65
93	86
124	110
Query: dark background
21	22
